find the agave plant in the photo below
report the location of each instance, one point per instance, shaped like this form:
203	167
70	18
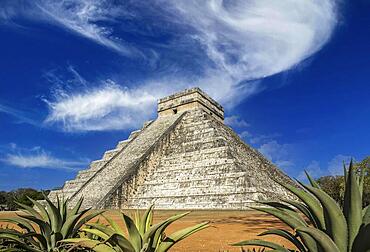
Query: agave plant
44	228
318	223
142	234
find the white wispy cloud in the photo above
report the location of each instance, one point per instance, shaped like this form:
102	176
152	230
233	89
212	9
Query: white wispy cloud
334	167
278	153
233	44
38	158
260	139
21	116
106	107
258	38
235	121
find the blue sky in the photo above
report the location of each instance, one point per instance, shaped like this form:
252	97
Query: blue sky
78	76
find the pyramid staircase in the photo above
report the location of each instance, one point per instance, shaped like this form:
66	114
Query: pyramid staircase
71	187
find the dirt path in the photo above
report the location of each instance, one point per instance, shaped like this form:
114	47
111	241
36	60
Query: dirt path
227	227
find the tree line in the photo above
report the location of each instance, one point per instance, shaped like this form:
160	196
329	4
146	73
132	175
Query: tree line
8	199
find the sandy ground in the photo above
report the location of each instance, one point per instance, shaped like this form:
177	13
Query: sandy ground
226	227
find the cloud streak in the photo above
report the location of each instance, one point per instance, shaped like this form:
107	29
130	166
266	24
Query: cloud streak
333	168
106	107
38	158
233	45
21	116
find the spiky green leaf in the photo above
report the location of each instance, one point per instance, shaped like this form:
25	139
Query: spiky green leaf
288	236
325	242
335	221
352	207
261	243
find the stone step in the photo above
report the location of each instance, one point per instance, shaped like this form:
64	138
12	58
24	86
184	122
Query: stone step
197	122
122	144
109	154
193	179
97	164
76	183
197	194
147	123
219	152
200	169
134	134
94	166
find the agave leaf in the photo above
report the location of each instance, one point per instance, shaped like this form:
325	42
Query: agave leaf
288	236
29	210
88	243
137	220
85	220
261	243
286	217
17	240
311	202
180	235
352	208
335	221
156	231
145	220
292	222
103	228
55	218
121	241
345	172
135	237
96	232
325	242
366	215
40	238
63	210
44	226
20	222
77	207
41	208
312	181
361	242
303	209
285	208
114	225
69	223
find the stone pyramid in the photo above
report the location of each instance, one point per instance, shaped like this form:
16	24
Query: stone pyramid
185	159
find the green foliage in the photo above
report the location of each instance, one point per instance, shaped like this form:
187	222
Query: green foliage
334	185
142	234
44	228
318	222
8	199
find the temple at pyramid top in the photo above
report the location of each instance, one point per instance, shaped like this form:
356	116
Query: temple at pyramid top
190	99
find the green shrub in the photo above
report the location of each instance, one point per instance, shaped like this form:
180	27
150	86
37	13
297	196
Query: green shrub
43	230
318	223
142	234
